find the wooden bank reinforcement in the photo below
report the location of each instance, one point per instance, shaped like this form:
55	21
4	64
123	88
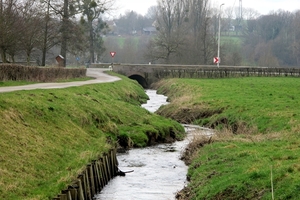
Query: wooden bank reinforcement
93	178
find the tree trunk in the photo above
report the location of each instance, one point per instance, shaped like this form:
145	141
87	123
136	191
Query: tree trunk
63	50
28	57
44	50
3	55
92	54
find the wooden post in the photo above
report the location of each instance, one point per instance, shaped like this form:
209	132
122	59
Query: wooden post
104	174
98	170
111	158
97	178
69	196
84	185
87	184
108	167
102	179
80	192
73	189
63	197
92	180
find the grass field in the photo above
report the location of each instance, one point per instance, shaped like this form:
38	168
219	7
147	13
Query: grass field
257	144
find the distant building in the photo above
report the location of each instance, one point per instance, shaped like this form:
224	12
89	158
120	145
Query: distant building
231	28
149	30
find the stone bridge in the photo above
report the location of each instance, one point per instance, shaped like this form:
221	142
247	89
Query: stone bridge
146	74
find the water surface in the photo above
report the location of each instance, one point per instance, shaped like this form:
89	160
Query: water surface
158	173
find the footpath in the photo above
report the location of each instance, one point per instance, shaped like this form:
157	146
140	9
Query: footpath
98	74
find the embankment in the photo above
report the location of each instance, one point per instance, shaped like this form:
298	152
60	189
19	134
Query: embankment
255	151
48	136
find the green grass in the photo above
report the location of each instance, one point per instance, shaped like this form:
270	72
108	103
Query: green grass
121	40
268	104
14	83
242	170
263	114
48	136
75	79
231	39
19	83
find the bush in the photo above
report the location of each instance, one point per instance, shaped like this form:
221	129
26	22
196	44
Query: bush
11	72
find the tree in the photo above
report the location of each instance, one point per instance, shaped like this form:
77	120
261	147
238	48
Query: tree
269	39
50	31
171	27
202	39
131	23
62	10
10	24
91	11
295	47
151	13
31	34
64	30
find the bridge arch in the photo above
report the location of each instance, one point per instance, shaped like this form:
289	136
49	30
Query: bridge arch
140	79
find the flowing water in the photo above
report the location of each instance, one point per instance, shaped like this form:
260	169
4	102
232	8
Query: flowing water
158	173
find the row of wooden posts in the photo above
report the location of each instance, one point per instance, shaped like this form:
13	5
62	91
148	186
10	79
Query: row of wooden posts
92	180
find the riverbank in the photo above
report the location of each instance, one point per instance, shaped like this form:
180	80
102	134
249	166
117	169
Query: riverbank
255	153
48	136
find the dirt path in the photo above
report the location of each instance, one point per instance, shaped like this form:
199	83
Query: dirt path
98	74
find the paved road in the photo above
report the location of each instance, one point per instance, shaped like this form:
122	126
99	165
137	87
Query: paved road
98	74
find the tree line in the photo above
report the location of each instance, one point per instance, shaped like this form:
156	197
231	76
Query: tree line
30	28
186	32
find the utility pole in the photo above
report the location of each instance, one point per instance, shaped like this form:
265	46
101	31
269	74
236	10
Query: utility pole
240	17
241	10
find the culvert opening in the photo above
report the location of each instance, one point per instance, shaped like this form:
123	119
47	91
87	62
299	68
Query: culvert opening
141	80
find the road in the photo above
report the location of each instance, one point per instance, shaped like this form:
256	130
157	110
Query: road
98	74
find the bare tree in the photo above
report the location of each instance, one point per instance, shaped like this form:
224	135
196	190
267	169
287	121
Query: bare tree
296	38
31	34
50	29
151	12
202	40
64	30
91	11
171	27
10	24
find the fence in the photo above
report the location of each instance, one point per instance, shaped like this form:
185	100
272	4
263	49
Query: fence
226	72
92	180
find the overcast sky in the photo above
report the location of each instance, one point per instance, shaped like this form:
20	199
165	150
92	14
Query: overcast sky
262	6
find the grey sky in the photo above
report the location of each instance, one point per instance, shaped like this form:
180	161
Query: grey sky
262	6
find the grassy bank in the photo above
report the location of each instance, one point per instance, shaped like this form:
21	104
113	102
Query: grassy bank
258	136
48	136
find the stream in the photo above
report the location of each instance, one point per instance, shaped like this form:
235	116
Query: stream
158	173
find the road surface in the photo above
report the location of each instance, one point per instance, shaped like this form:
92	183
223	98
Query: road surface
98	74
